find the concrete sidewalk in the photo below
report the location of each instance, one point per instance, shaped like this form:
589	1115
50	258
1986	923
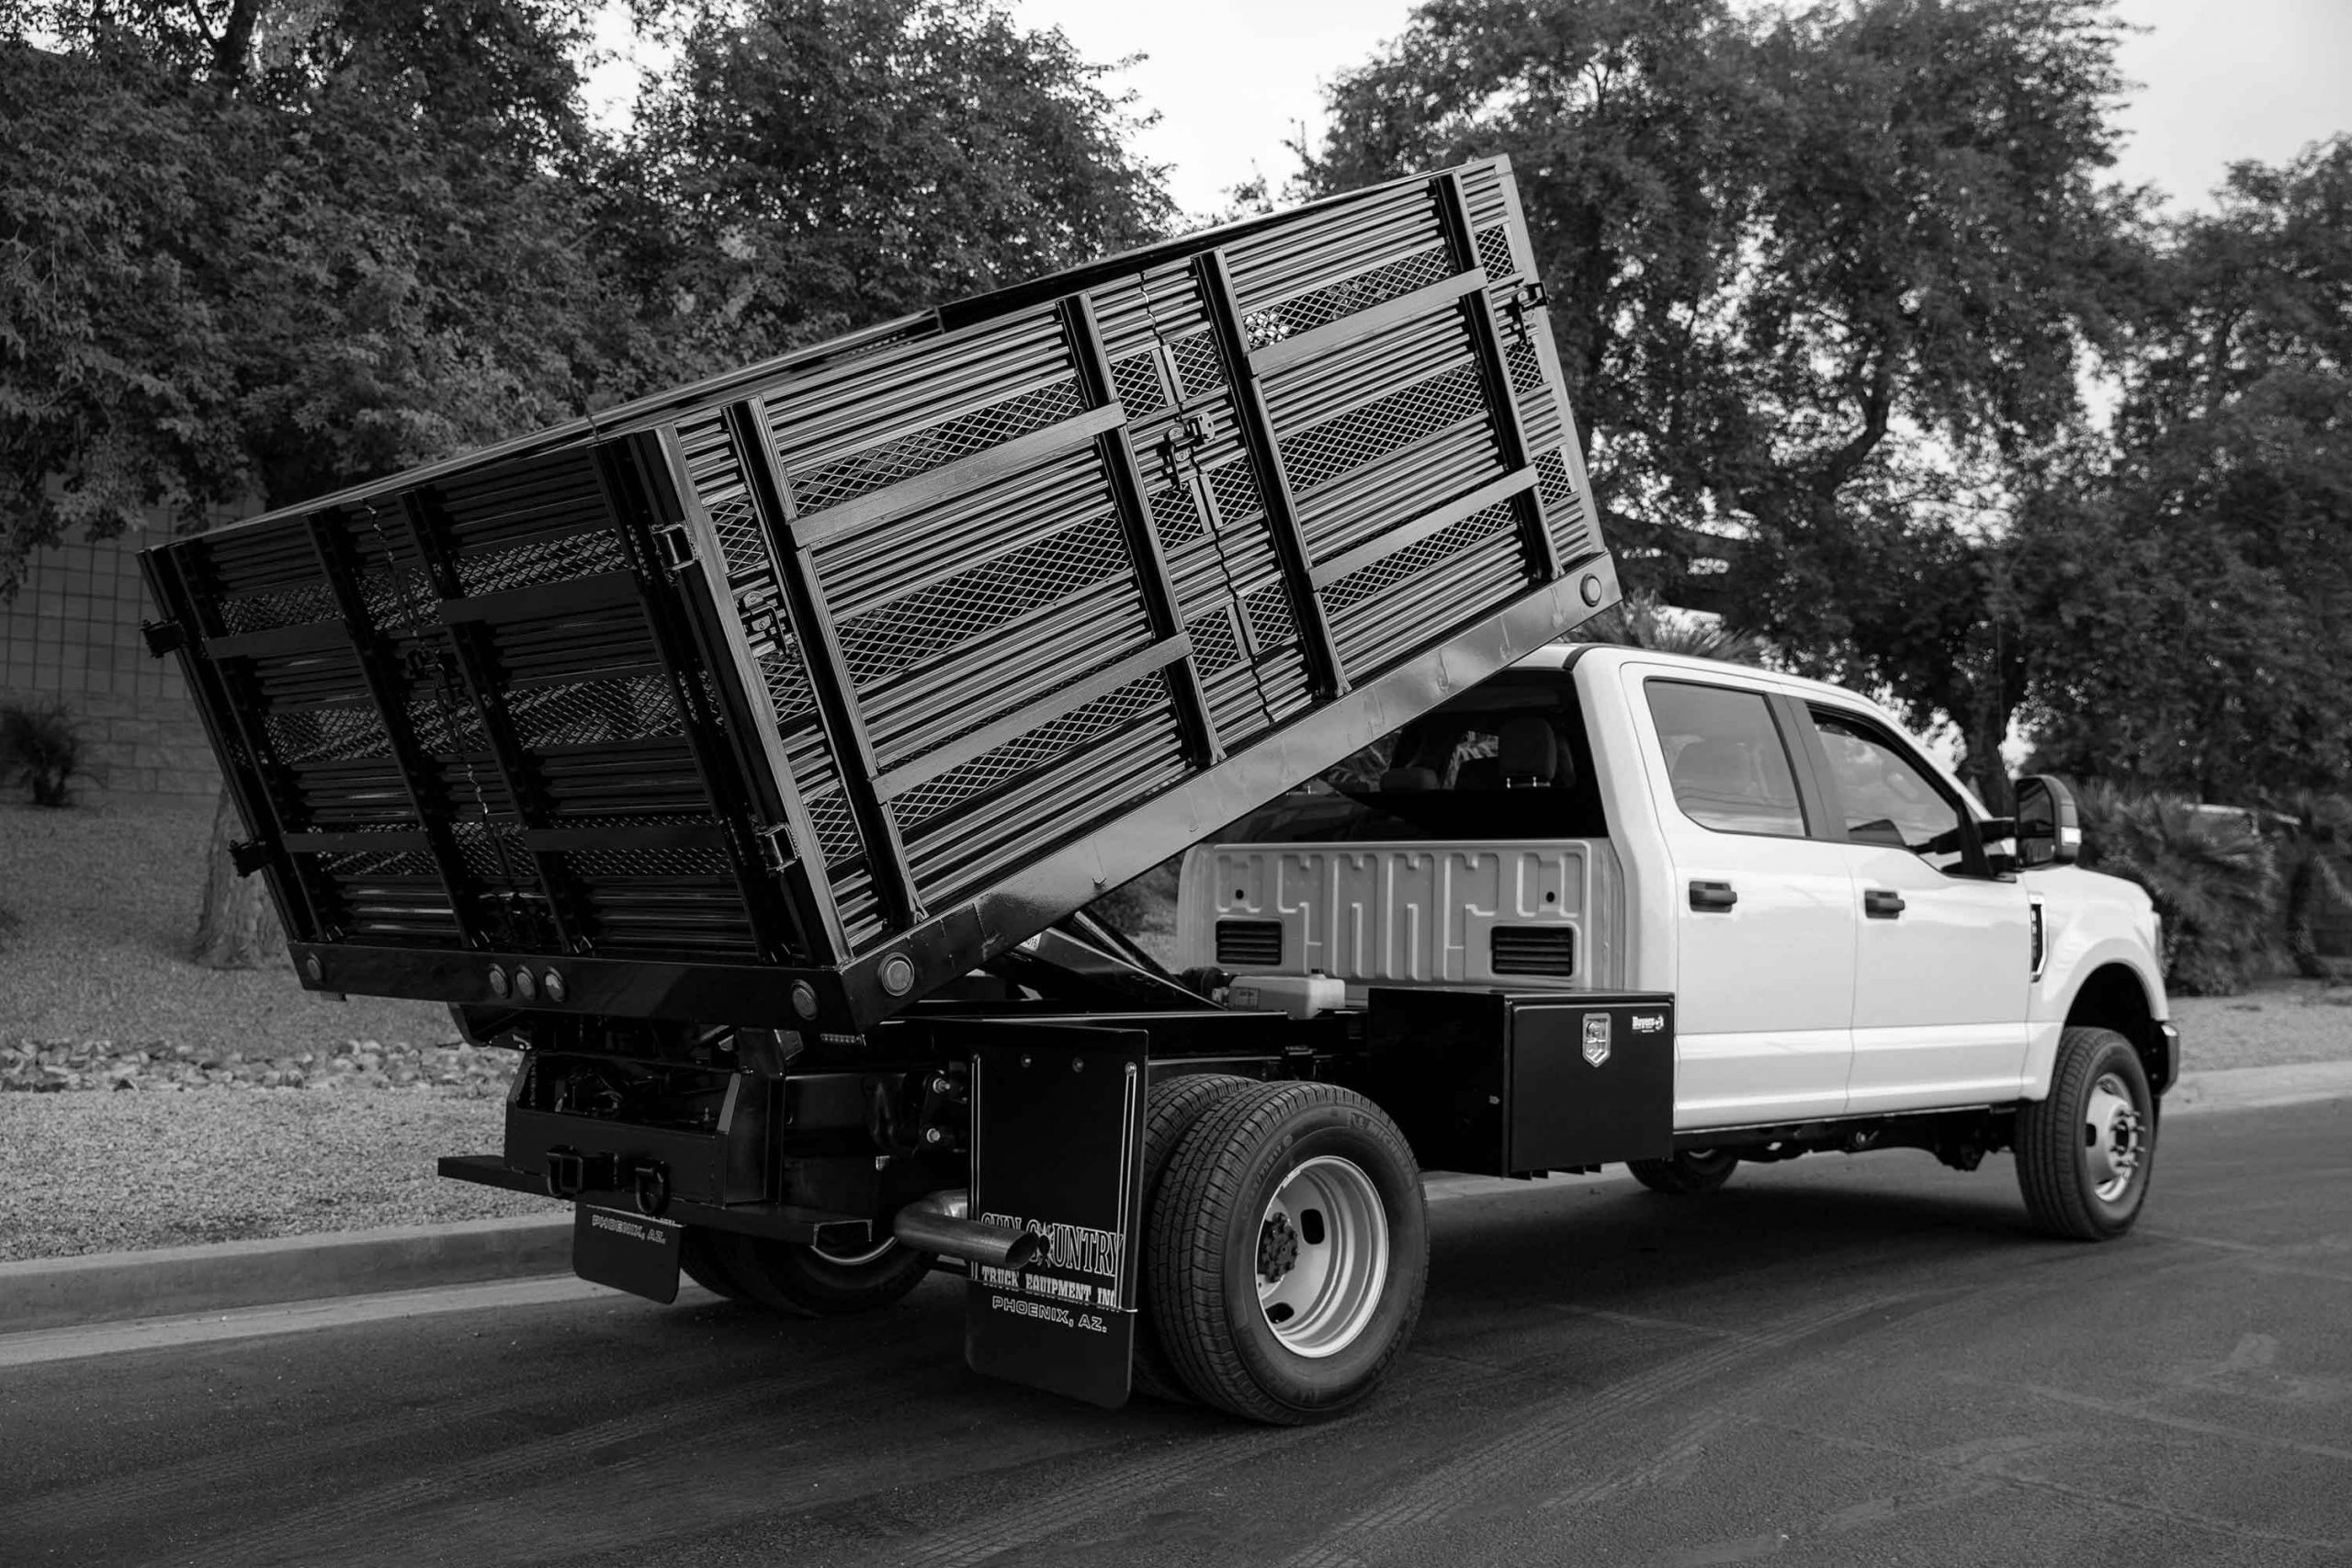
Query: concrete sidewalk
57	1292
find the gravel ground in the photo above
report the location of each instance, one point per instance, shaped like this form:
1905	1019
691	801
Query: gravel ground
2277	1022
106	897
98	1172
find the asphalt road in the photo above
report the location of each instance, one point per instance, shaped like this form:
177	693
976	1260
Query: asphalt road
1832	1362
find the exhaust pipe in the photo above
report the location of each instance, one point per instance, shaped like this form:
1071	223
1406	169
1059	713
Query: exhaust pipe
942	1222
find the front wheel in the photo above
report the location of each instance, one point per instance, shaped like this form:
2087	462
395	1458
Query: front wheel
807	1282
1289	1250
2085	1153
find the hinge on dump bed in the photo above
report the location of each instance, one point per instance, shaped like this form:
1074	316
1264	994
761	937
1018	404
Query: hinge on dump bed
247	858
163	637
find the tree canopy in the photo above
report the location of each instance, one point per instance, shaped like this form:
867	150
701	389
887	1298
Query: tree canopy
1821	276
254	250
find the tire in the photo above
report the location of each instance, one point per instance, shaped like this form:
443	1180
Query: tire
699	1259
802	1281
1680	1175
2086	1154
1350	1251
1176	1104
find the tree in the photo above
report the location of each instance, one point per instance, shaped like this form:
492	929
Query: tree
1824	277
809	166
2195	628
251	251
1640	620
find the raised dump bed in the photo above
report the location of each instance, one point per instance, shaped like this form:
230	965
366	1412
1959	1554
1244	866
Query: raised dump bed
785	699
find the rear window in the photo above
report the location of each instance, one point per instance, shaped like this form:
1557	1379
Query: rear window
1725	759
1507	760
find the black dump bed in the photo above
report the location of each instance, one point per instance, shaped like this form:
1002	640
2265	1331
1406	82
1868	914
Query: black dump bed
784	699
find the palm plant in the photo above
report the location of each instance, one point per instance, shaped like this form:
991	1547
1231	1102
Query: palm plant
1640	620
2211	873
2309	847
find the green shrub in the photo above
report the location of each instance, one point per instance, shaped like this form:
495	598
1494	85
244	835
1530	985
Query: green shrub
2209	874
42	745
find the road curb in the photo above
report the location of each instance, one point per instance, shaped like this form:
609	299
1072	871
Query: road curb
59	1292
2258	1088
108	1287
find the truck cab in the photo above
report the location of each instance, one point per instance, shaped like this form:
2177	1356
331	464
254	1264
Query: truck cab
1847	931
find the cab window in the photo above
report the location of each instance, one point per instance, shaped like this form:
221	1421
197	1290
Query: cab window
1886	797
1725	759
1507	760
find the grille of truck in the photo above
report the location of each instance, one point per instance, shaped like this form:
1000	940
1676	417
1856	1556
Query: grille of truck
1549	950
1250	945
893	650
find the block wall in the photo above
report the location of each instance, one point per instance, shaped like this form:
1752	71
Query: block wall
71	635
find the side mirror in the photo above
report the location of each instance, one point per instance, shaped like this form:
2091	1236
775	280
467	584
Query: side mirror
2049	832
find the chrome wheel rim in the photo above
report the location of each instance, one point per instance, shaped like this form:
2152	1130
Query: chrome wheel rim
2113	1138
1322	1257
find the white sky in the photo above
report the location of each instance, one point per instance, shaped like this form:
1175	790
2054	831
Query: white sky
2224	80
1233	80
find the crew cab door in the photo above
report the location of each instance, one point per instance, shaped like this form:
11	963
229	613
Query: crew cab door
1764	912
1943	954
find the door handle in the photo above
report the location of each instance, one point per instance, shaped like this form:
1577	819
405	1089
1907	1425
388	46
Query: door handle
1713	896
1882	903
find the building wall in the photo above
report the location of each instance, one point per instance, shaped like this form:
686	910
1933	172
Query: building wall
72	635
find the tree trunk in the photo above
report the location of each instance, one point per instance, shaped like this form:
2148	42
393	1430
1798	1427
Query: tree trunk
238	927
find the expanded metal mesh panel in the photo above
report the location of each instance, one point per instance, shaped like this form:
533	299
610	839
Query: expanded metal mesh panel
1525	365
342	734
1178	520
1135	379
1494	253
1197	364
836	829
267	611
877	468
884	642
1384	425
1454	572
1564	507
1079	727
1272	623
1322	305
1236	492
541	560
585	713
790	696
674	861
1384	574
1215	646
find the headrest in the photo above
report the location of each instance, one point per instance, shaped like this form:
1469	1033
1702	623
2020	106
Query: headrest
1527	751
1407	778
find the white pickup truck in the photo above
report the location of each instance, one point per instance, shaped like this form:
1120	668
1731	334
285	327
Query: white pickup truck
1860	956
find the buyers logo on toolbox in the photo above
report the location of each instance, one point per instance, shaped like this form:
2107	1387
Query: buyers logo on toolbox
1596	1038
1648	1023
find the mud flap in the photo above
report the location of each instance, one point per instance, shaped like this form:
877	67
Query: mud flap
1057	1116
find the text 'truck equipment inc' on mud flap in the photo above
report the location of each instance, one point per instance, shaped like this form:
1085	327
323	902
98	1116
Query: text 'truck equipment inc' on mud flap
1058	1119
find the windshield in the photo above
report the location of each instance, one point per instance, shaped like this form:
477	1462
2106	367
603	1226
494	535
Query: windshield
1506	760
